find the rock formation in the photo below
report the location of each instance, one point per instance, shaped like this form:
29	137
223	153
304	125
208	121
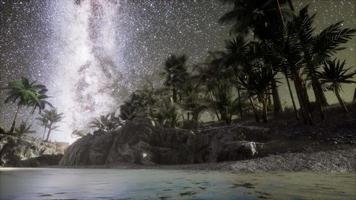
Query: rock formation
141	143
28	151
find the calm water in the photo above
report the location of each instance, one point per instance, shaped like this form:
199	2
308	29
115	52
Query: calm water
118	184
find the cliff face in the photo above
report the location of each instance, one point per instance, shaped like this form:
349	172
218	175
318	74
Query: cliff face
143	144
28	152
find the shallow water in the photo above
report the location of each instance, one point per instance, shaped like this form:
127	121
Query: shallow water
107	184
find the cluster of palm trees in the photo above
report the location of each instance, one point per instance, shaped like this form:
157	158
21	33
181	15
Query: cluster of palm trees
31	95
269	40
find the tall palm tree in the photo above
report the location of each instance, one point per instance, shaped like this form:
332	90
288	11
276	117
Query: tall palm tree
175	72
53	117
318	48
262	17
286	54
264	51
265	18
219	77
43	122
335	74
24	93
237	52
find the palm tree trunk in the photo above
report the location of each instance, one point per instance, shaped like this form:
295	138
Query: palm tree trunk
14	120
342	103
302	97
49	132
276	98
264	110
318	93
292	97
217	115
174	91
44	133
240	105
254	110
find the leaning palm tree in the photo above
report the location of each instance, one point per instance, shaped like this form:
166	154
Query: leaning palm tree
53	117
40	102
24	93
334	74
23	129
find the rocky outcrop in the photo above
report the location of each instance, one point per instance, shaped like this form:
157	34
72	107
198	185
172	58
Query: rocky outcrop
331	161
28	151
140	143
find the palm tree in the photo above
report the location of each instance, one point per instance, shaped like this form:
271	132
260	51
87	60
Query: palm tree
106	123
193	99
175	72
166	113
237	52
41	102
139	104
53	117
23	129
318	48
262	17
218	77
24	93
264	51
223	101
43	122
258	83
127	111
335	74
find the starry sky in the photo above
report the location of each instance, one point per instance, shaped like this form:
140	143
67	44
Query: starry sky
92	53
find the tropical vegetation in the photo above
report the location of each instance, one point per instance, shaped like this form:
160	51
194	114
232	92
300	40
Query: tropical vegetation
270	44
49	119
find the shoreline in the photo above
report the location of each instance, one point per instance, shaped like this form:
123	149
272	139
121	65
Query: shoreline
323	161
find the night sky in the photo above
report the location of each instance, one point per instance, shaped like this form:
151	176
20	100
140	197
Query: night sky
93	53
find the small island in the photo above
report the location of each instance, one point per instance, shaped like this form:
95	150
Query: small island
272	96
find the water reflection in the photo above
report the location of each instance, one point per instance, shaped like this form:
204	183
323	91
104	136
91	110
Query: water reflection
116	184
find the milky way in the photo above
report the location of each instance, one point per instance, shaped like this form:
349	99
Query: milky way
92	53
